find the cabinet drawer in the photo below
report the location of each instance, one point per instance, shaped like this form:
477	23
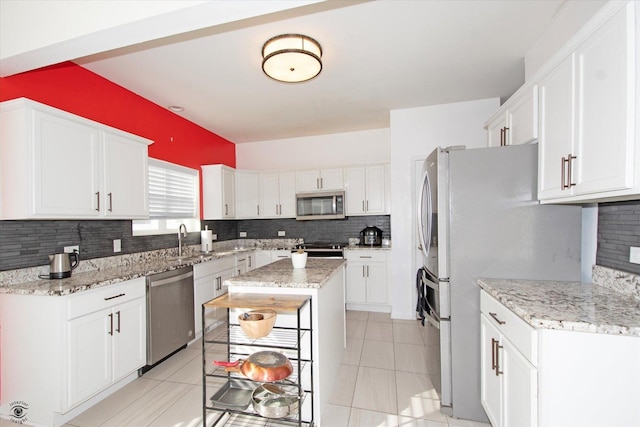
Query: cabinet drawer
366	256
523	336
213	267
98	299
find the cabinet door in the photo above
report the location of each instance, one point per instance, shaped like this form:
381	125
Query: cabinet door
205	290
66	170
89	365
375	189
129	337
287	187
356	282
519	388
263	257
376	282
125	190
556	129
331	179
269	195
307	180
489	381
605	64
356	191
522	118
247	195
229	193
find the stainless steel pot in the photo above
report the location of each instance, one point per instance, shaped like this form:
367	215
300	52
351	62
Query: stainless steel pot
273	401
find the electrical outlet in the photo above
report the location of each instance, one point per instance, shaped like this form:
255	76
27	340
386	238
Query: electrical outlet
214	237
117	245
70	249
243	234
281	233
634	255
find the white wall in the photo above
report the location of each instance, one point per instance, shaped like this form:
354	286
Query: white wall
339	149
415	132
567	22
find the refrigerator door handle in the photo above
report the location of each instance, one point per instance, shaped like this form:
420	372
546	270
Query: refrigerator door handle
425	186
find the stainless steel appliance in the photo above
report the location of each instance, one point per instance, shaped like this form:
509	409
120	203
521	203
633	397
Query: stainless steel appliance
322	205
60	265
322	249
371	236
170	315
479	217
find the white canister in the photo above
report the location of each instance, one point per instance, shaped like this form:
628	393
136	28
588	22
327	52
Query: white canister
299	260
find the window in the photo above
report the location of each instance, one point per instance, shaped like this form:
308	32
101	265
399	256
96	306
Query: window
173	199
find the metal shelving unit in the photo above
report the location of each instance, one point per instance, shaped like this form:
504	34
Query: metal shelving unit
216	381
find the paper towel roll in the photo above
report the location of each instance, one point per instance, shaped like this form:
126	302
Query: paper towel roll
206	240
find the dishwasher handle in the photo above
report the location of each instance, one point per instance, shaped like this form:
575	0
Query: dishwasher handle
170	280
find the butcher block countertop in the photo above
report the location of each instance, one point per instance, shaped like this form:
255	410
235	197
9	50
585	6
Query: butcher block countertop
281	274
259	301
574	306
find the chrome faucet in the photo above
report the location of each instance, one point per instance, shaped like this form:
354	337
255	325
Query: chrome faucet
180	235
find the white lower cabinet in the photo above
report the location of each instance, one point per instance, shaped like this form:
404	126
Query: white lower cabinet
550	377
267	256
208	279
366	279
80	348
105	346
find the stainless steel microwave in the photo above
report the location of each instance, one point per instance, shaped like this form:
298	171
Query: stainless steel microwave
322	205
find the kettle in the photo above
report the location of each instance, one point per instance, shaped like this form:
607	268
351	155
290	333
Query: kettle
60	265
371	236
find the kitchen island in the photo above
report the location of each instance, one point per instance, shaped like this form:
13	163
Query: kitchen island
323	280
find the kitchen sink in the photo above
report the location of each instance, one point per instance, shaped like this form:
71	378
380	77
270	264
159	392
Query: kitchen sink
186	259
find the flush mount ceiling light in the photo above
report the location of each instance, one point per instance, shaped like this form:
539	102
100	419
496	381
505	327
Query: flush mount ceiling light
291	58
175	108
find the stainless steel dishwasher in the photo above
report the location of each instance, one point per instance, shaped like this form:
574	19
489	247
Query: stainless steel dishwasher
170	320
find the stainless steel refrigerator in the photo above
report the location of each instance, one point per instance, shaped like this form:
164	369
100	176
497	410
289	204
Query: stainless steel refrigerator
479	217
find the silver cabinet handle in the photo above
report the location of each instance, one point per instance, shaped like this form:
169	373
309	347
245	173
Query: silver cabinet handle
363	271
226	209
258	207
110	202
562	173
367	271
249	261
118	327
318	183
321	183
367	206
495	317
111	322
114	297
498	347
570	159
98	200
363	210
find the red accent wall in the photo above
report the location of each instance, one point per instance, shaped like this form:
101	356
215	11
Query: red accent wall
72	88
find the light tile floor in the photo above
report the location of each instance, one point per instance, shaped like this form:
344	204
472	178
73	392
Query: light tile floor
383	382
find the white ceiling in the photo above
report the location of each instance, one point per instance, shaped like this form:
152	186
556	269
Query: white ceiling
377	56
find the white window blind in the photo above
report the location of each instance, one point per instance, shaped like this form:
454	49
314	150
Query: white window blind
173	190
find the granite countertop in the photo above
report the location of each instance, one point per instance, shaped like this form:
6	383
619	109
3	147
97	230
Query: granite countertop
82	281
281	274
574	306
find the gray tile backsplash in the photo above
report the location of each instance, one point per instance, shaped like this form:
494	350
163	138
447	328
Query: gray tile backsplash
28	243
618	230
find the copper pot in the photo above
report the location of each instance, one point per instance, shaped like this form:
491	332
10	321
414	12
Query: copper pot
265	367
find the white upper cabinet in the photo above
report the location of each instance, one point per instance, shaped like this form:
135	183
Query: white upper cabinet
587	118
218	190
65	166
278	194
516	122
247	194
317	180
366	192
